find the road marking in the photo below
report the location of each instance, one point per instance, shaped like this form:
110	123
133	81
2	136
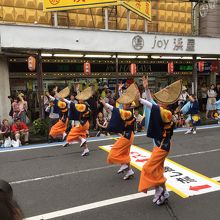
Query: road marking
59	175
94	139
98	168
94	205
181	180
194	153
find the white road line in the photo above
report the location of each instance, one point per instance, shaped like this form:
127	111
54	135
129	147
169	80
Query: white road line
95	205
90	206
194	153
61	174
90	140
100	168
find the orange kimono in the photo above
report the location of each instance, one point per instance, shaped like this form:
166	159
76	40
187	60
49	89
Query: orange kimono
60	127
82	117
161	130
120	151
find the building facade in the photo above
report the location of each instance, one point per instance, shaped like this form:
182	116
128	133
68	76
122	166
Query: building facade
168	16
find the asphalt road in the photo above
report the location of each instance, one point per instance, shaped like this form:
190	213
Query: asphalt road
52	179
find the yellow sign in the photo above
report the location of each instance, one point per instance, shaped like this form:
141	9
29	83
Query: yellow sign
140	7
62	5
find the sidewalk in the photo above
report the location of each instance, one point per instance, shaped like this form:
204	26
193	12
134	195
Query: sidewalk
95	139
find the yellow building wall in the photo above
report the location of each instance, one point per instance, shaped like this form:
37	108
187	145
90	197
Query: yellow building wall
166	17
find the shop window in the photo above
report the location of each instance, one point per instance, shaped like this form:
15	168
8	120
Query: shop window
43	18
31	4
63	19
31	15
20	15
91	21
96	11
19	3
8	14
83	11
133	23
8	2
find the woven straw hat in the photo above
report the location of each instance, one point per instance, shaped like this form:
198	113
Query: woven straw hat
63	93
85	94
131	95
170	94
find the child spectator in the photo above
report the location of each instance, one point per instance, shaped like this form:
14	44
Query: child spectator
20	132
6	133
101	124
138	124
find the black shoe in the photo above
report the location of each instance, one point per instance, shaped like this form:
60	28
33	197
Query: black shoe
83	144
66	145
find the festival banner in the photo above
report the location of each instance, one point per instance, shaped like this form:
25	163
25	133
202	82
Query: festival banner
62	5
140	7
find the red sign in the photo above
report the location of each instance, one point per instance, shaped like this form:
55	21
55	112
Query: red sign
215	66
170	67
87	68
133	69
31	63
201	66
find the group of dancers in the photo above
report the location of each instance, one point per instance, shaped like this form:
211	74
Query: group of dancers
158	122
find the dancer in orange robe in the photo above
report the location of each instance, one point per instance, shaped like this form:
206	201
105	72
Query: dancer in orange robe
80	128
160	128
122	122
60	127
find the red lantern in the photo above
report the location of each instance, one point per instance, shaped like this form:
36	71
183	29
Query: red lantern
133	69
87	68
201	66
215	66
170	67
31	63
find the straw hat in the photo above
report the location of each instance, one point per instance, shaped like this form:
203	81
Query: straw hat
131	95
64	93
85	94
170	94
184	88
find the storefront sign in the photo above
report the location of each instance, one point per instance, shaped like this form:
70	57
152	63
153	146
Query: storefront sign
177	44
170	67
215	66
87	68
181	180
201	65
60	5
138	42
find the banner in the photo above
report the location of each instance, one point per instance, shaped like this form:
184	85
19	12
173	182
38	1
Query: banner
140	7
62	5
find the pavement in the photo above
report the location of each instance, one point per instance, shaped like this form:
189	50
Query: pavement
51	182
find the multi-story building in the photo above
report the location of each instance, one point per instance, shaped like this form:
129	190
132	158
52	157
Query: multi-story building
168	16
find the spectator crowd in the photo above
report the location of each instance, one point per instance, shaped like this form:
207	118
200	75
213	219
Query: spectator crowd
16	133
